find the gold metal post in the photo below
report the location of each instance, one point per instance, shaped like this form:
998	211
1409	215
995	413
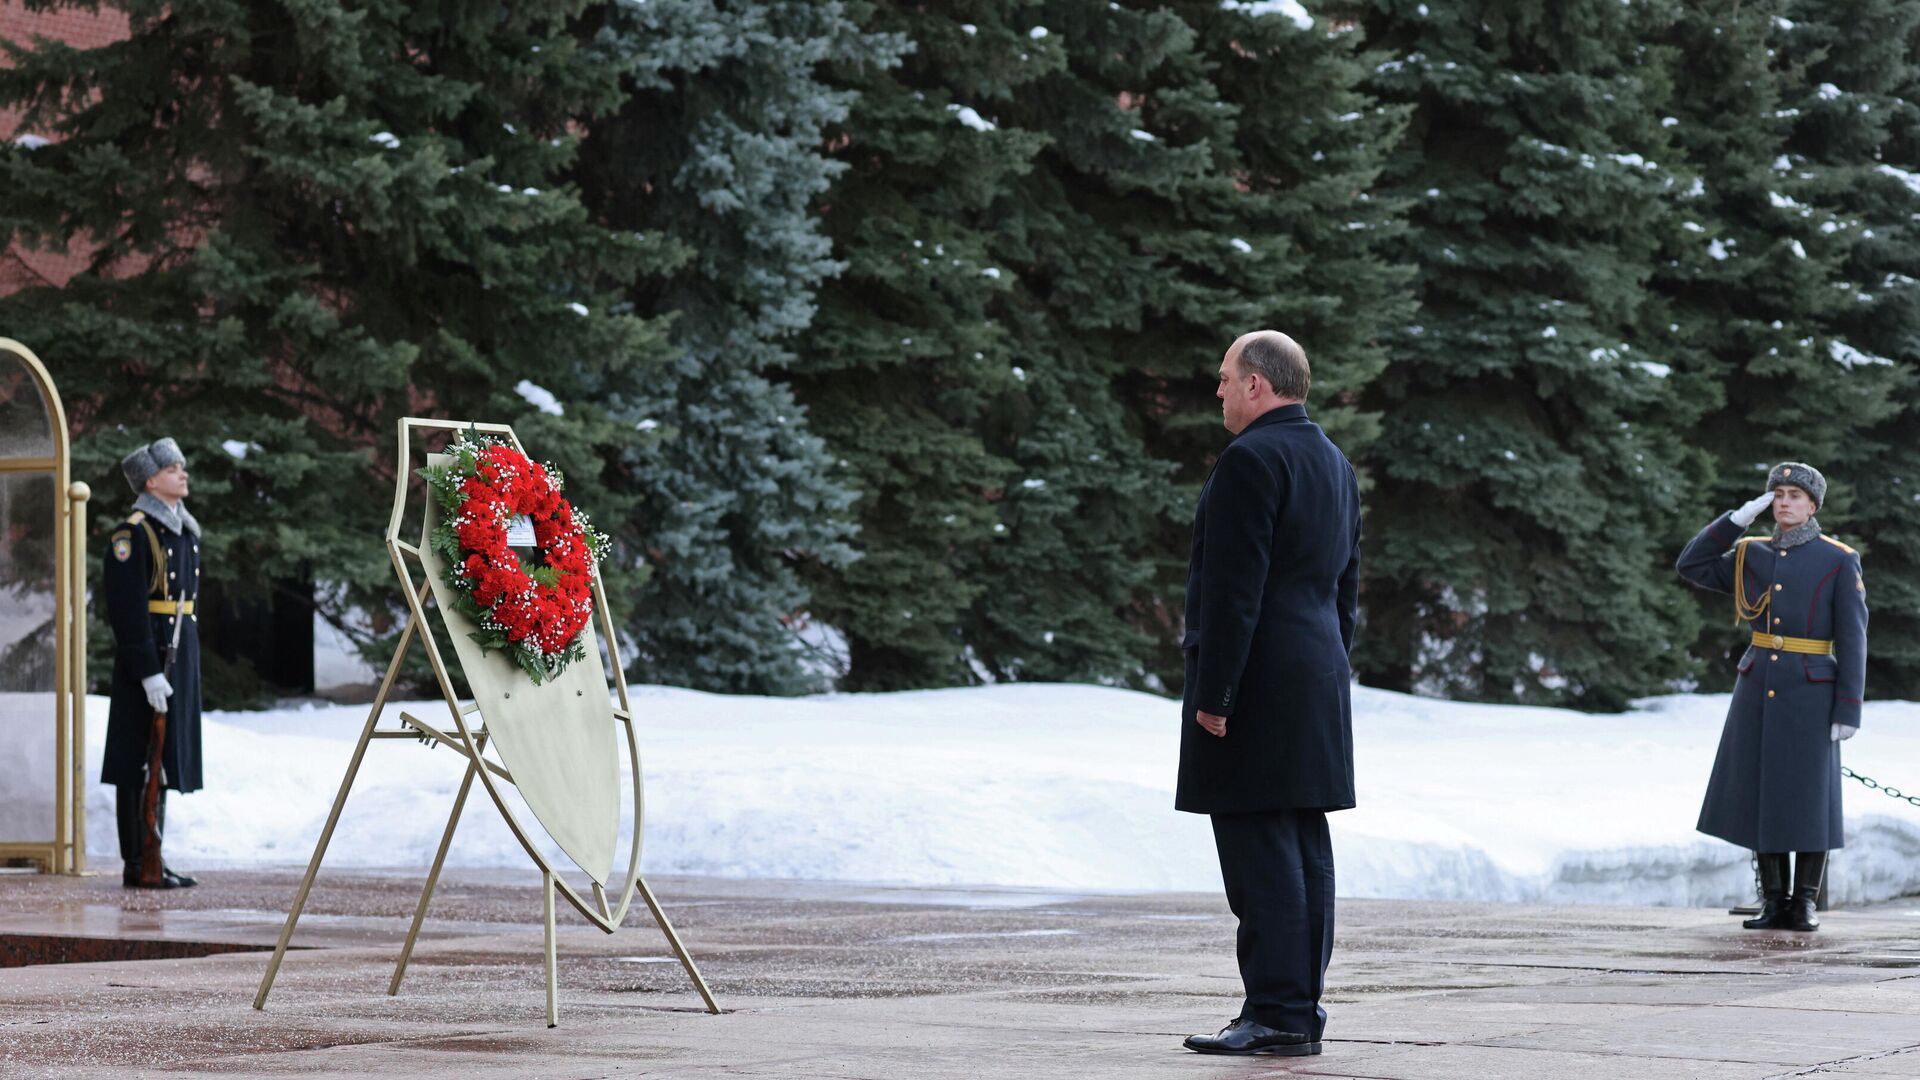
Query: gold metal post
77	495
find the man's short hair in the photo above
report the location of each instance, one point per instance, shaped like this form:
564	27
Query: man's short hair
1281	361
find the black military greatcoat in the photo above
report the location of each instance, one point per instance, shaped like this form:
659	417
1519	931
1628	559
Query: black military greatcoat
1776	779
1272	598
149	564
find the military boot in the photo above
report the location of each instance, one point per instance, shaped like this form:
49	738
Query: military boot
1773	893
130	877
1809	867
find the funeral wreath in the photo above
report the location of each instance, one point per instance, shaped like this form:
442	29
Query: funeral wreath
530	603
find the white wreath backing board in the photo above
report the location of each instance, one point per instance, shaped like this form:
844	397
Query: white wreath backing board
557	738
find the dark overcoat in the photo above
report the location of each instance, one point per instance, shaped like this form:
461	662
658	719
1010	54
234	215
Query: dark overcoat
1776	779
134	577
1272	598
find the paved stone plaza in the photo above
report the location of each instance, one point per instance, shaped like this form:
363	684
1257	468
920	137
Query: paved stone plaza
841	981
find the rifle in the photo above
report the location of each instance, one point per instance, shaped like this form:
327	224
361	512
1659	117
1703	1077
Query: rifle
152	869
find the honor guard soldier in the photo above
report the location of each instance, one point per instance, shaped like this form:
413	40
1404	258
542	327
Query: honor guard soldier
1776	780
152	578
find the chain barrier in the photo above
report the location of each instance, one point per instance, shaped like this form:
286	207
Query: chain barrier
1876	785
1872	784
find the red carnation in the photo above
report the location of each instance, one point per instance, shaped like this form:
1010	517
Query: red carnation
480	534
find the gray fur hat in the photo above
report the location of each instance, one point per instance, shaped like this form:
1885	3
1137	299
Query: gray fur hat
1800	475
141	465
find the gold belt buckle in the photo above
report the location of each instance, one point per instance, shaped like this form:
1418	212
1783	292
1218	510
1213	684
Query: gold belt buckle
1779	642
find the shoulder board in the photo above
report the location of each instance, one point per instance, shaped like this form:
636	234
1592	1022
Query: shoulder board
1751	540
1838	544
138	517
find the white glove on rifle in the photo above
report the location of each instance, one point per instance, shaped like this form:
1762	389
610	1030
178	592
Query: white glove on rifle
1843	732
1744	516
158	690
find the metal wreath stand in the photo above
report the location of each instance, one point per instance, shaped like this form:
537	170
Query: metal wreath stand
526	734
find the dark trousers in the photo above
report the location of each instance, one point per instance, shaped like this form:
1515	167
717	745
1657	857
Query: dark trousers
126	812
1278	869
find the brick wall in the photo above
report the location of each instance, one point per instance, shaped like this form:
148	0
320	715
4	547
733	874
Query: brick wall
84	29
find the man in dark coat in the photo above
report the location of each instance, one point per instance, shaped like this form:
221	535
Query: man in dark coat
152	577
1266	744
1775	786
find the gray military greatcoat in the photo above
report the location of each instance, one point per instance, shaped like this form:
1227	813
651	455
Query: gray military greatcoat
1776	779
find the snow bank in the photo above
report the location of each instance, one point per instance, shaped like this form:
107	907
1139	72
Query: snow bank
1063	787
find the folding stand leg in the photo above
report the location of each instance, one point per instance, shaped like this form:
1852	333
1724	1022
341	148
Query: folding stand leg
553	980
433	875
333	816
679	950
313	868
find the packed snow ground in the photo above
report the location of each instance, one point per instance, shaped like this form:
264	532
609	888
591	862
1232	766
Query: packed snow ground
1067	787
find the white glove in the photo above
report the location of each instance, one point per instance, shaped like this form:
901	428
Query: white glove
1843	732
158	690
1744	516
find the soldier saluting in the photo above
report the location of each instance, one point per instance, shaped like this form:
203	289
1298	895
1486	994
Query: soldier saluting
152	576
1776	780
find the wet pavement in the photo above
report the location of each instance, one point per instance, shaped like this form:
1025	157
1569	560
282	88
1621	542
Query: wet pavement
839	981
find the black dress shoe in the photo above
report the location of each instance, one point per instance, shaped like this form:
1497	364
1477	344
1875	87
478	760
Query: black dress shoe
180	881
1243	1036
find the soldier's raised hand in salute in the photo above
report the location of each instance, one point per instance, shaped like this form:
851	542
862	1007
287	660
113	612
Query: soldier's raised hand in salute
1744	516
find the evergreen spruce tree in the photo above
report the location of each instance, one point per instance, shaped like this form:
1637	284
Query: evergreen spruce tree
1299	241
1743	273
1527	457
1307	241
1857	132
302	222
719	146
1006	507
909	365
1074	565
1763	276
1099	240
1056	221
